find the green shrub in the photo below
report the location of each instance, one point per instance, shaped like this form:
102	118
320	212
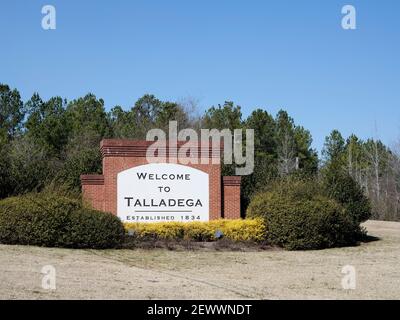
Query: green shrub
299	216
252	230
48	219
344	189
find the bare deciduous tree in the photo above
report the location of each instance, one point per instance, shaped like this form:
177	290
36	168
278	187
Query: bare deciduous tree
287	161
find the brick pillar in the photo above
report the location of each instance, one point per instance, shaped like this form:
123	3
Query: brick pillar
93	190
231	197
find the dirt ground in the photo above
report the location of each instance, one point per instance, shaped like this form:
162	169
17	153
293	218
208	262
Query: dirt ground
163	274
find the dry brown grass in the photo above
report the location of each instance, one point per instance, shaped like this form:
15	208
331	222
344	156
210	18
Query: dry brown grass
205	274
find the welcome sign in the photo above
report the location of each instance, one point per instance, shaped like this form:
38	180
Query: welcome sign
138	191
159	192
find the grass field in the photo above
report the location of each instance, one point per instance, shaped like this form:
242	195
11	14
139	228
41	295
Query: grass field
164	274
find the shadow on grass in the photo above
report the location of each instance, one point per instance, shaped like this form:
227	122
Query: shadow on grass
367	239
150	243
190	245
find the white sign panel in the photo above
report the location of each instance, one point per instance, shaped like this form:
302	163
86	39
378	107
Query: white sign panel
159	192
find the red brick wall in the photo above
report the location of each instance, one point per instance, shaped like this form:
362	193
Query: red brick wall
93	190
231	197
120	155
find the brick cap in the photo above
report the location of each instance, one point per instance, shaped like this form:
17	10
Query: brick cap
231	180
138	148
92	179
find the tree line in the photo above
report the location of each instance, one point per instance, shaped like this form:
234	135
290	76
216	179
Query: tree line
55	141
374	166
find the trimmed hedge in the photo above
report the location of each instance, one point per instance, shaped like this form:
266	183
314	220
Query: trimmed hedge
298	216
52	220
236	230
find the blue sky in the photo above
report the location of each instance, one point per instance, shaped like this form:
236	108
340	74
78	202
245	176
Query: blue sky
269	54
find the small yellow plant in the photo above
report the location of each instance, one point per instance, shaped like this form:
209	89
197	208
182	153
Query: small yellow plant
235	230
